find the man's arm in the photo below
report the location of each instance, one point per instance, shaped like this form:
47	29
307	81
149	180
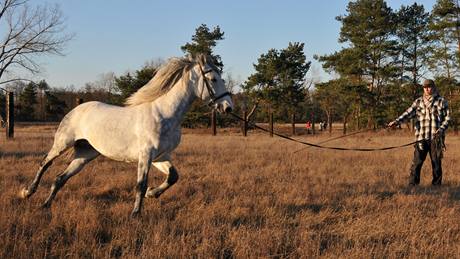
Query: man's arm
408	114
445	122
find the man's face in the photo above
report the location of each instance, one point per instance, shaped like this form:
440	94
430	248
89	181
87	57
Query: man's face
428	90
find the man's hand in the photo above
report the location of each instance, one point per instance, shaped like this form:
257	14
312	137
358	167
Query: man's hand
392	124
438	132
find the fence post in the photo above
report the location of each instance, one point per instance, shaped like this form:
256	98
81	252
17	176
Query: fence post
271	123
78	101
9	115
455	127
214	122
293	123
312	124
245	123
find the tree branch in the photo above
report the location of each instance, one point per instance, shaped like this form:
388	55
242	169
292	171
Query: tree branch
31	32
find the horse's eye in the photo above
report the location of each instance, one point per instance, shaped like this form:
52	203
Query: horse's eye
214	80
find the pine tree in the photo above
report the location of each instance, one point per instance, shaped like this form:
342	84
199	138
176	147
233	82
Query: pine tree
292	70
128	84
54	107
263	83
368	28
27	101
42	88
444	21
445	61
203	42
414	49
280	79
414	41
370	57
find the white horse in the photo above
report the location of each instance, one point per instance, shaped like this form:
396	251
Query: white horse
145	131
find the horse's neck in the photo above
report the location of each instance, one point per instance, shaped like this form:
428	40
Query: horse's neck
174	104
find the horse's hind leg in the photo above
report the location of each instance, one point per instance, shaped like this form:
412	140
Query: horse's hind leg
142	177
84	153
58	148
172	176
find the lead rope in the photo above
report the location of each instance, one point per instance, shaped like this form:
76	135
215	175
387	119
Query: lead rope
438	145
339	137
320	146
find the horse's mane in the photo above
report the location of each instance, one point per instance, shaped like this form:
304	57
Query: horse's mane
166	77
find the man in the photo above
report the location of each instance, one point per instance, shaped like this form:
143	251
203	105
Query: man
431	115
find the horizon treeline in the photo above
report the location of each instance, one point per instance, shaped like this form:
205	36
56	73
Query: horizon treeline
376	74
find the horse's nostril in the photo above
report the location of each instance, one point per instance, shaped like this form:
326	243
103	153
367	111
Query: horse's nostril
228	109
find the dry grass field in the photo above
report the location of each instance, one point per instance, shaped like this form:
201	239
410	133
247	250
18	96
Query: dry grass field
236	197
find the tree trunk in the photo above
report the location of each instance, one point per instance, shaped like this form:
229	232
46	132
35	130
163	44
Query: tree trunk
359	117
213	122
455	126
293	123
270	120
313	126
78	101
9	115
245	123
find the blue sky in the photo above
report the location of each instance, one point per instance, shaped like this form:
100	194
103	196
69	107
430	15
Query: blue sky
119	36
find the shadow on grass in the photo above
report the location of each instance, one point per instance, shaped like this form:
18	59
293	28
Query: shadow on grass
109	196
337	201
383	195
21	154
453	191
293	209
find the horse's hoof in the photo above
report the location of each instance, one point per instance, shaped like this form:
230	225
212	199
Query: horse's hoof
153	192
24	193
45	206
135	214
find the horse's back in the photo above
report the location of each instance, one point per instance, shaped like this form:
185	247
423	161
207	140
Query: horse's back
106	127
79	117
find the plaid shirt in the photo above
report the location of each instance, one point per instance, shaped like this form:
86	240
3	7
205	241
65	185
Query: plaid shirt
428	119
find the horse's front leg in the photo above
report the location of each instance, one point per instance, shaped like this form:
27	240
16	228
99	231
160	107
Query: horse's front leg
172	176
142	177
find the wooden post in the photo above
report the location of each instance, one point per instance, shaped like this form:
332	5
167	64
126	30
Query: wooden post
214	122
271	124
312	124
9	115
78	101
455	127
293	123
245	123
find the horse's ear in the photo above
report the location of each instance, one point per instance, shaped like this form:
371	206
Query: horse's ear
190	58
201	59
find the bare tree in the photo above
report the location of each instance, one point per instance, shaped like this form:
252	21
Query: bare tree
230	82
29	32
154	63
106	82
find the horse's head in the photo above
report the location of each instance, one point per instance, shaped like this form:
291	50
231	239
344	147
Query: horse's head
211	87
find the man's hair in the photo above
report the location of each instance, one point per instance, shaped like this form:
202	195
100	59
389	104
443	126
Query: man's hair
428	82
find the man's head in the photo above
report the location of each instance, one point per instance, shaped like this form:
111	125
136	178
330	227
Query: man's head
428	87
